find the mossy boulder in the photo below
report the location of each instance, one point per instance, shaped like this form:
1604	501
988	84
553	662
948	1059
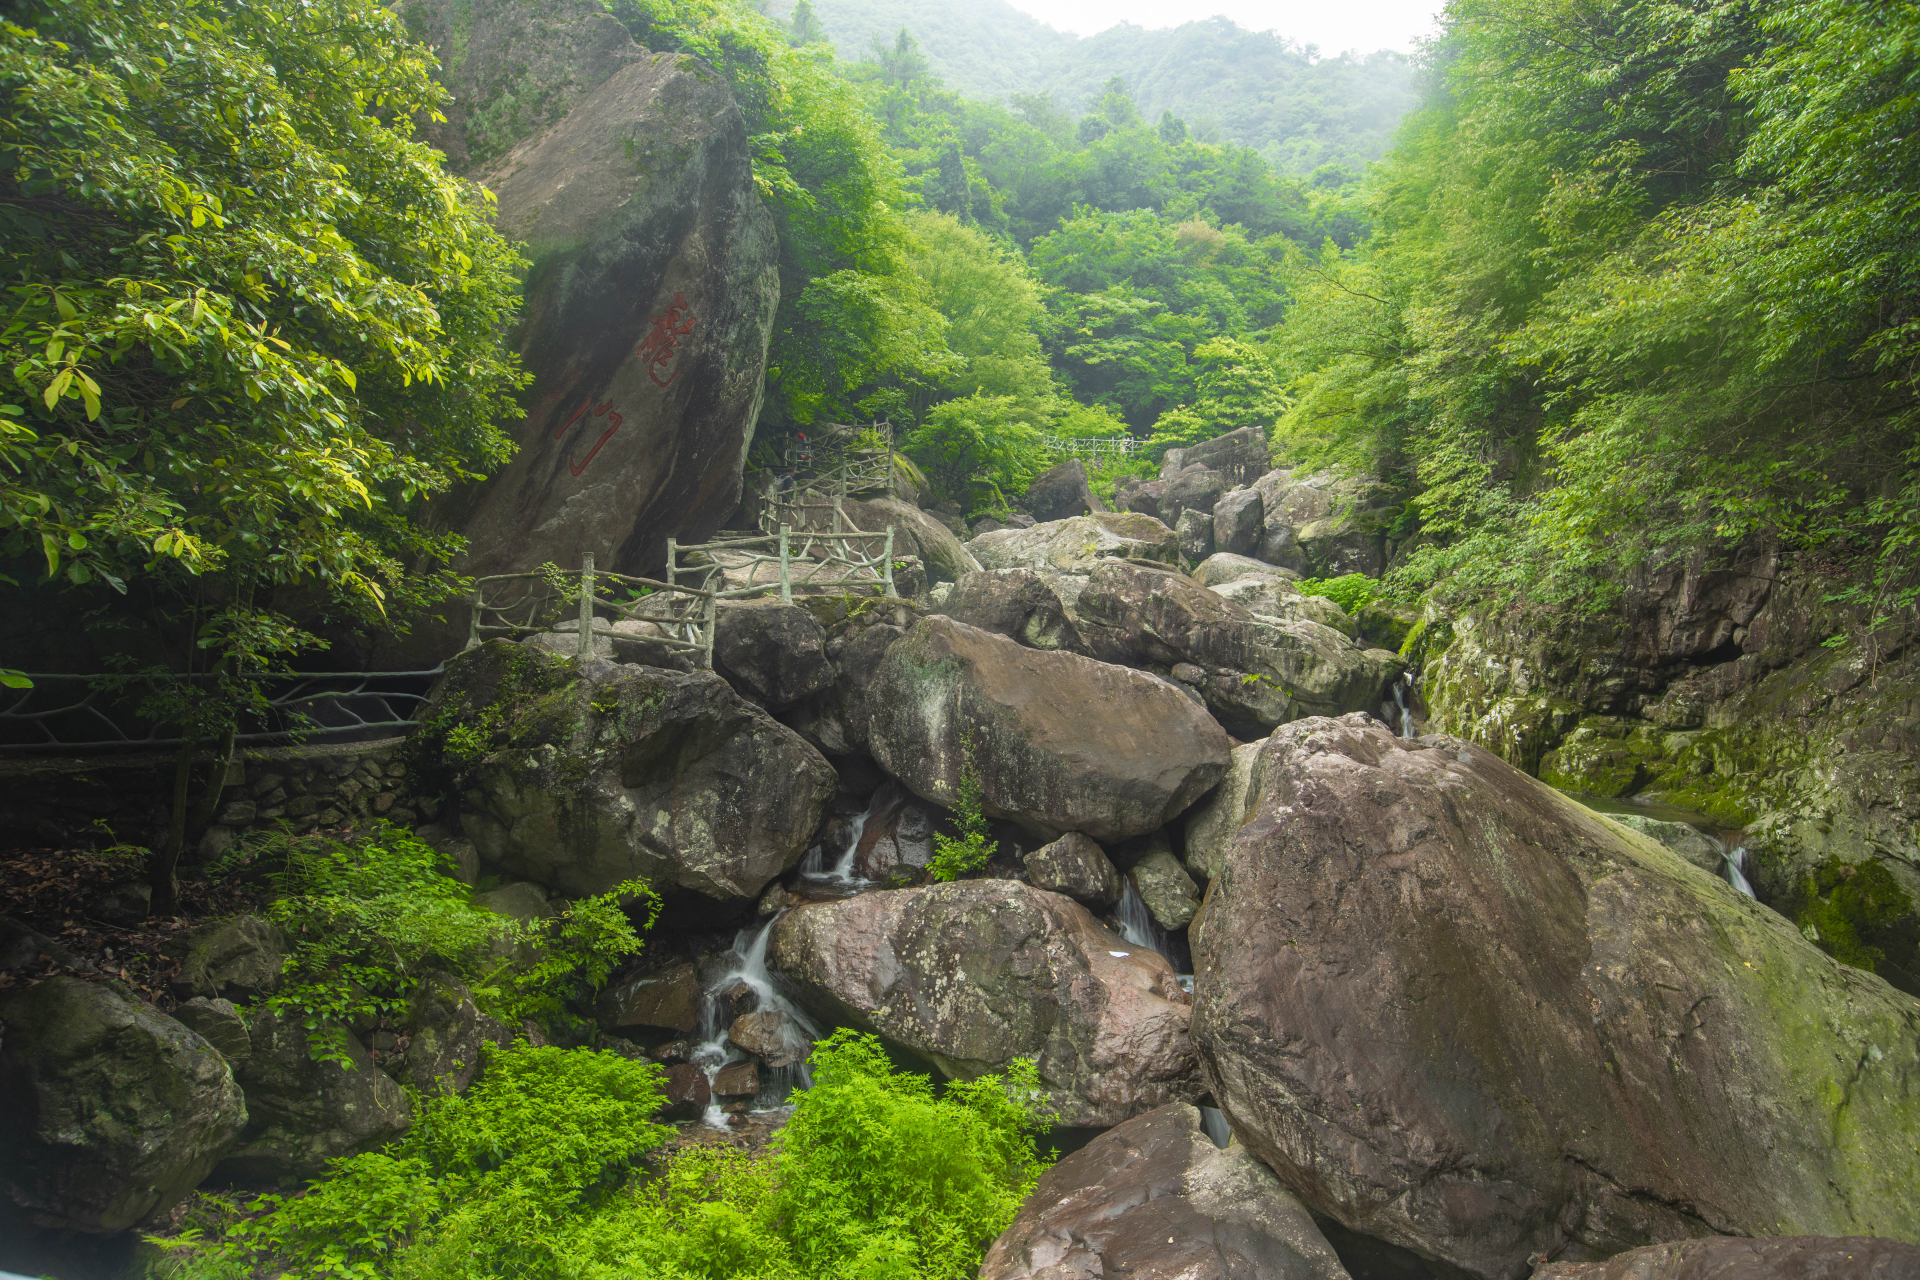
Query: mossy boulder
1518	1027
114	1111
592	774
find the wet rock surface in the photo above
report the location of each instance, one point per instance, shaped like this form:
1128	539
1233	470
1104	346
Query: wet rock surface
114	1111
1059	742
1458	1013
973	974
236	959
1155	1199
774	653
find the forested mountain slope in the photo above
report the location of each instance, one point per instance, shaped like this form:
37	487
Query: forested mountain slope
1256	89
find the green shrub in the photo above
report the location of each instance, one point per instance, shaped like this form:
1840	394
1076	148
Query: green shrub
1846	909
953	856
370	916
1351	591
538	1174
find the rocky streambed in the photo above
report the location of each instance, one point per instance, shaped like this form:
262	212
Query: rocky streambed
1322	994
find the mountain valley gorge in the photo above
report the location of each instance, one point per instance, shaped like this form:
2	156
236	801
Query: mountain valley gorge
636	649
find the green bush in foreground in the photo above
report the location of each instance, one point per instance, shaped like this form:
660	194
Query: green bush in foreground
541	1172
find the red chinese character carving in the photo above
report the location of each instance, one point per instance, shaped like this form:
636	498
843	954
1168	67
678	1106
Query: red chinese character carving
601	411
613	426
662	342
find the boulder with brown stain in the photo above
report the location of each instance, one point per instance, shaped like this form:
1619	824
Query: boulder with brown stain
1731	1258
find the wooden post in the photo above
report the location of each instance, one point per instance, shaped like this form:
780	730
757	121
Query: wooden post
672	552
586	606
786	577
712	612
473	623
839	516
891	593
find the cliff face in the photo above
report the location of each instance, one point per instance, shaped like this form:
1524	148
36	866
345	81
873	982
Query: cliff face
1717	691
651	295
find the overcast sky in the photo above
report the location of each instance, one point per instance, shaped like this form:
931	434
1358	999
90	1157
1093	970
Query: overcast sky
1334	25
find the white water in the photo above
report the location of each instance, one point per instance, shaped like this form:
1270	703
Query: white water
842	873
1137	924
1400	700
1214	1121
747	963
1735	869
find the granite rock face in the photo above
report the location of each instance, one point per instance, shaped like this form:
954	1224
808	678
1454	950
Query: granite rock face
1061	492
976	973
1060	742
1732	1258
114	1111
1154	1199
603	773
1457	1012
651	295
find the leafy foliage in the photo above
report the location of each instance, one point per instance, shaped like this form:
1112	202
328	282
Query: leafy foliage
1351	591
956	856
253	323
1640	285
371	916
538	1172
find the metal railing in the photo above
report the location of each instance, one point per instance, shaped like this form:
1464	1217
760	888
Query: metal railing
62	709
671	616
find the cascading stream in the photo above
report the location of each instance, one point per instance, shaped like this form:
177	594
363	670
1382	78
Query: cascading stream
1400	700
748	968
842	873
1214	1121
1735	869
1137	924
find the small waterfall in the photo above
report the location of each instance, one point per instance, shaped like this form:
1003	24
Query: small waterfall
748	966
842	872
1214	1121
1735	869
1137	924
1400	687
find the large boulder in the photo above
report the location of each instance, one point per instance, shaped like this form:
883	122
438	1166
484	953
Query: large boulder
774	653
114	1111
915	533
1076	866
304	1112
1164	886
1222	567
1061	492
1276	598
1079	543
447	1037
1732	1258
1254	672
652	290
976	973
1193	530
602	773
1240	455
1155	1199
1457	1012
1238	520
1321	523
1059	742
1194	488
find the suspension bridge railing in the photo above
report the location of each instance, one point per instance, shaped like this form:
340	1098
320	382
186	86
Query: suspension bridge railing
1093	445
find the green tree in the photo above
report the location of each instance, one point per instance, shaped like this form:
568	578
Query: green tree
1238	388
253	326
977	449
993	309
